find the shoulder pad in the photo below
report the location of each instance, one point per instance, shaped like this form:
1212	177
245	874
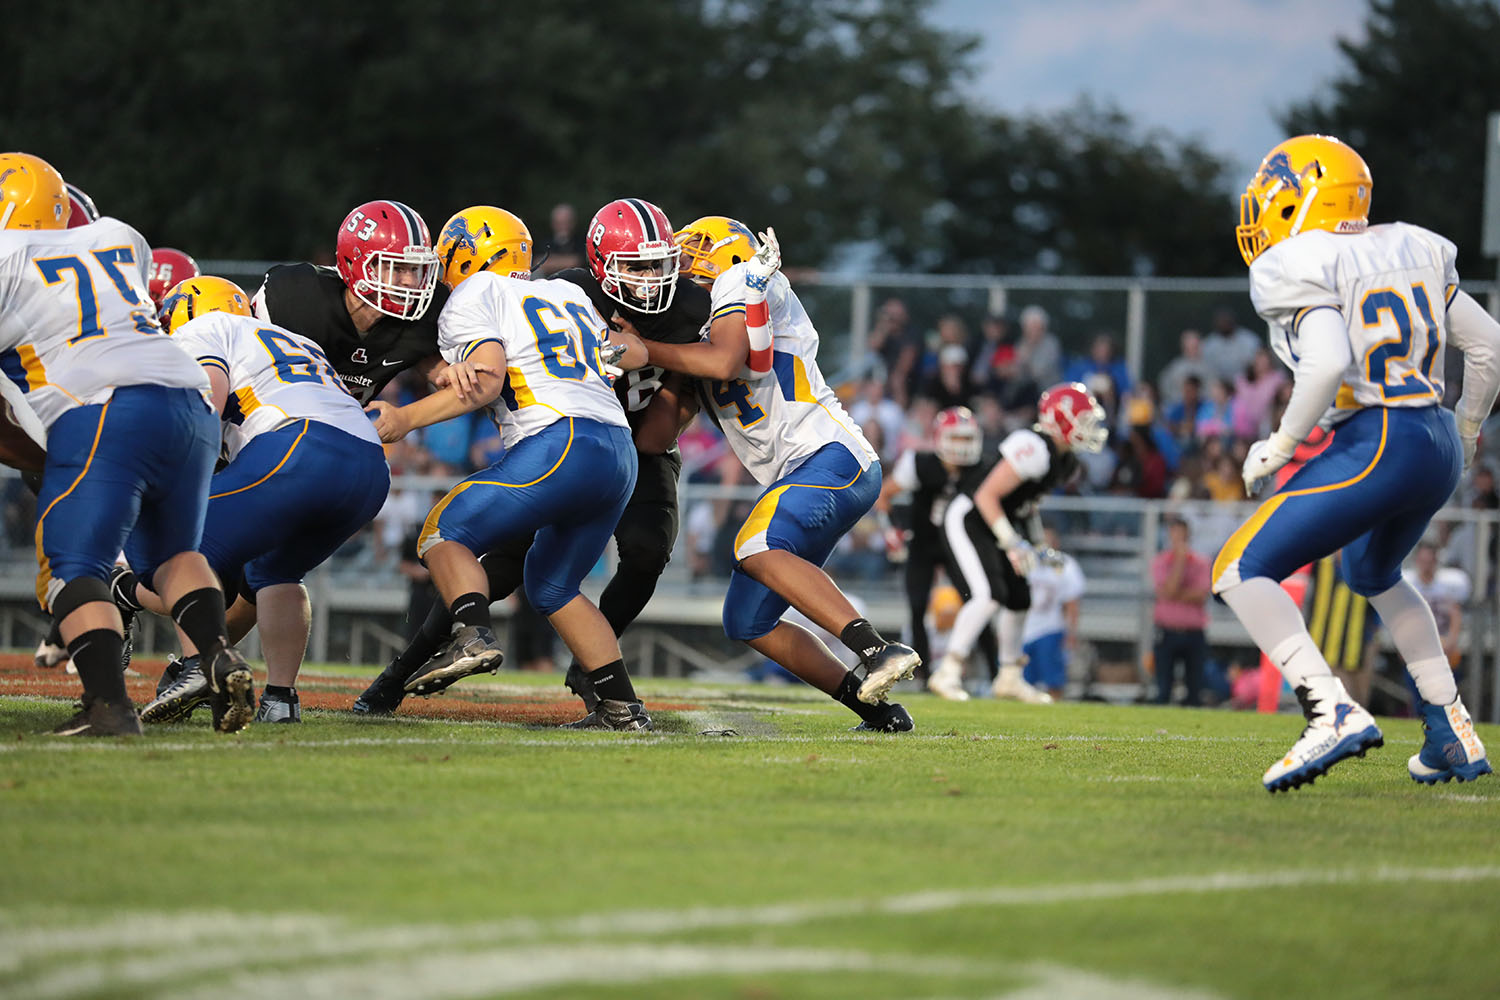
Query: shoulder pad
1027	453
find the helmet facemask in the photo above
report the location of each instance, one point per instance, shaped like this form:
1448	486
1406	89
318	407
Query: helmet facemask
398	284
644	280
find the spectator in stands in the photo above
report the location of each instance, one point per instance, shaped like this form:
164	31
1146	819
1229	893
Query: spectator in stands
1102	360
1039	352
1181	579
1446	589
1223	480
949	385
1190	409
448	442
1190	363
1216	420
1229	347
897	348
994	337
1051	629
871	407
1142	471
486	446
917	433
565	249
1254	393
1143	409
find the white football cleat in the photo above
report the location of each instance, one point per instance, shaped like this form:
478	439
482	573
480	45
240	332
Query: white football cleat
947	681
1451	749
48	656
1011	684
1337	729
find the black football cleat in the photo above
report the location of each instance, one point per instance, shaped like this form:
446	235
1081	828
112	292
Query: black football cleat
472	650
891	663
895	719
577	681
182	688
97	717
231	689
383	696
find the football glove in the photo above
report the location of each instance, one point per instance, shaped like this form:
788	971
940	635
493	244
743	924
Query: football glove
766	262
1023	557
1265	458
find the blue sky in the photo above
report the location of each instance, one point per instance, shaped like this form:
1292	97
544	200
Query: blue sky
1215	69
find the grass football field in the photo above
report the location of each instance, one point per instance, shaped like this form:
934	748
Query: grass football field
1001	850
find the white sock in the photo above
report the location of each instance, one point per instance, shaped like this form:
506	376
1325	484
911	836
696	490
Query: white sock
1415	635
1275	623
1012	626
967	625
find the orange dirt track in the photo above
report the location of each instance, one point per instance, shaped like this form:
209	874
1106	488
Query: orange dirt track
19	676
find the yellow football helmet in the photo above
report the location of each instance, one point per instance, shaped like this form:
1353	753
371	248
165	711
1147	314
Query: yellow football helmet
484	238
712	245
194	297
32	194
1307	182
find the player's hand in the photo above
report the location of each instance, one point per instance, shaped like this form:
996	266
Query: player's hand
1468	436
1023	557
1265	459
463	376
625	351
1048	556
766	262
390	422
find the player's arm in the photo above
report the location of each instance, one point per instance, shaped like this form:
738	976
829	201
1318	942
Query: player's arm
1475	332
218	385
1324	339
668	412
1000	483
393	423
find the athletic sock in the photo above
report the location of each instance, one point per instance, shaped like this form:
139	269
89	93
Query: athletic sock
278	691
200	615
1434	680
861	638
848	696
612	682
96	657
471	609
1299	660
429	638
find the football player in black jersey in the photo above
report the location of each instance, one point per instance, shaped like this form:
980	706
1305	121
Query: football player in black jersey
632	279
931	479
375	314
992	529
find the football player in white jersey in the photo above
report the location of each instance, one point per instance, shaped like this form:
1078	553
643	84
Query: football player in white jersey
569	465
131	442
306	471
1361	314
763	386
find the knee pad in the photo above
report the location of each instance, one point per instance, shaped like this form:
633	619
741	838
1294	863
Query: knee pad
76	593
547	596
742	624
643	550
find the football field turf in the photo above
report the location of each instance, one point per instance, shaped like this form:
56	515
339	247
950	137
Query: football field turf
1001	850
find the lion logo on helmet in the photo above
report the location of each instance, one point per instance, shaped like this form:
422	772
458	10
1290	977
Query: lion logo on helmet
1279	167
458	232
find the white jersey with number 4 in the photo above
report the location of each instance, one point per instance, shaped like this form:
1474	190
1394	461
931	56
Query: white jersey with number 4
776	421
275	377
76	321
551	334
1391	284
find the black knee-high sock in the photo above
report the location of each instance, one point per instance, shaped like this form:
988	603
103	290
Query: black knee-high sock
96	657
848	696
471	609
200	614
434	631
861	638
54	635
611	681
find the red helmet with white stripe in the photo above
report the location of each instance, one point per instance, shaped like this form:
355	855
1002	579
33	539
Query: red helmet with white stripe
385	257
630	250
1073	417
957	436
84	211
168	267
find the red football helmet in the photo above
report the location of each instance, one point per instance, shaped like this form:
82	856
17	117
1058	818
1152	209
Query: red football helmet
84	211
957	435
168	267
1072	416
385	257
630	249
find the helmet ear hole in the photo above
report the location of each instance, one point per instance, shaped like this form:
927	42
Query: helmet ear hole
737	258
1286	213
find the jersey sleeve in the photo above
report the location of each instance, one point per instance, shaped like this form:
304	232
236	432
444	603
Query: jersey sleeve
473	315
1292	279
728	295
207	340
1073	584
264	304
1027	454
905	472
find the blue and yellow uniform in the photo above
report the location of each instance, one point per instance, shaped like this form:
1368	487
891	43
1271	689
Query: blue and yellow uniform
569	465
131	438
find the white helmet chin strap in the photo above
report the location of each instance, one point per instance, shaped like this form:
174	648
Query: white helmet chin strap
1307	201
10	209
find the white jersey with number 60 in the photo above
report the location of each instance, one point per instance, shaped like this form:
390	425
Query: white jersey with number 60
275	376
1391	284
76	321
551	334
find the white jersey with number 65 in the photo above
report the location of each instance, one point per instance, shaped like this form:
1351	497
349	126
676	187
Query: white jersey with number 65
76	321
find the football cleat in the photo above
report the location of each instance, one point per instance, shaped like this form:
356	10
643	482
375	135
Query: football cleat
231	689
1337	729
97	717
891	663
275	708
894	719
49	656
577	681
472	650
1451	749
947	681
620	716
1010	683
383	696
182	688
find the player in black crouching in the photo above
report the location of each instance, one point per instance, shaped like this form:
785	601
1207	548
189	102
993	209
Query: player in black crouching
632	279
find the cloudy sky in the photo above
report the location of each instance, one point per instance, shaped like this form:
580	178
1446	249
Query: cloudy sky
1217	69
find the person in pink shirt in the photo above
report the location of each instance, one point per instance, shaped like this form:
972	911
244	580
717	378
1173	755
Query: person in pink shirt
1254	395
1181	578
